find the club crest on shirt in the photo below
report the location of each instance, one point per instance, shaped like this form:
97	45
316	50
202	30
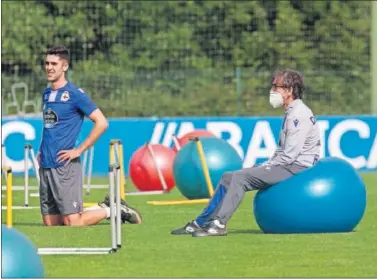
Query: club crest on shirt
295	122
65	96
50	118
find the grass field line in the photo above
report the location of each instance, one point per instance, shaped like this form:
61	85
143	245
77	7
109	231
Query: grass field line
17	207
21	188
94	186
135	193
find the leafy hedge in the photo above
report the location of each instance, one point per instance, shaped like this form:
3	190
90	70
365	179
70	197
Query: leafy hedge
166	58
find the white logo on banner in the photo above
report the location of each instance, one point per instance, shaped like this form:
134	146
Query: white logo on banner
19	127
363	130
262	133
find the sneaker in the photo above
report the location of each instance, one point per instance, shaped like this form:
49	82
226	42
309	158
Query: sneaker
189	228
128	213
105	203
215	228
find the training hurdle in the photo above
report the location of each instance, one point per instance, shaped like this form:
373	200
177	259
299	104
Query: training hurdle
29	151
115	222
29	154
9	196
87	152
116	149
207	177
116	156
3	160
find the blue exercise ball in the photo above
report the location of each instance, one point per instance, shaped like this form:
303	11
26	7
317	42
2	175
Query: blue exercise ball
188	172
20	257
329	197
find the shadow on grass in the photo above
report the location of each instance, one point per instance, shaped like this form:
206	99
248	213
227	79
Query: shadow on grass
28	224
245	231
252	231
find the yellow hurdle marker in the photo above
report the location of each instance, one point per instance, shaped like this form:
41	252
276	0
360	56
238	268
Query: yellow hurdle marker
90	204
203	162
159	173
9	196
175	202
207	177
119	145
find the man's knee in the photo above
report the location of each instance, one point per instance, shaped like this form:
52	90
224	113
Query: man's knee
246	178
52	220
226	178
73	220
48	223
240	178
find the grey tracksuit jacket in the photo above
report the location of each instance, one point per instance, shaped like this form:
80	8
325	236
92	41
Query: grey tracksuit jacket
299	141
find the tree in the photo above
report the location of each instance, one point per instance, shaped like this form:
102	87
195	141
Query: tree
142	58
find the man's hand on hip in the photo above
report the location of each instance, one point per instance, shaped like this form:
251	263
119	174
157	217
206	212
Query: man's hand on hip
68	155
38	158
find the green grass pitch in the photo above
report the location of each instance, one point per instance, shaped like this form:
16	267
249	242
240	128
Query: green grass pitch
150	251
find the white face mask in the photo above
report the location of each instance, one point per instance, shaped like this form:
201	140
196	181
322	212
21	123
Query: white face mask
276	99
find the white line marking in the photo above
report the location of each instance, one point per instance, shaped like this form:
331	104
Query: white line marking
144	193
97	186
21	188
20	207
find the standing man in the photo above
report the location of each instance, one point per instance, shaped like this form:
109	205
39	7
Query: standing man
299	149
64	108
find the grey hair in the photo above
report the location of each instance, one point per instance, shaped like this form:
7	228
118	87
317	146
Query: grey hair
291	79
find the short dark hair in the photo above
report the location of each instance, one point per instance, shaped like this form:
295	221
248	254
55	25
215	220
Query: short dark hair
291	79
60	51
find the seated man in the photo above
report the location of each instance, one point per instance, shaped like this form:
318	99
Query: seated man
299	148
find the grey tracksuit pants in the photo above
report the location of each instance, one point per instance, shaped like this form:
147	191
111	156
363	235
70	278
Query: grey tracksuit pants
233	186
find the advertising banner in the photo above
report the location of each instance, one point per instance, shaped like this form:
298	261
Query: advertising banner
255	138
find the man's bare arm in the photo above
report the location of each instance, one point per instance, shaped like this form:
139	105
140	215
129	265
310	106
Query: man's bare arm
100	126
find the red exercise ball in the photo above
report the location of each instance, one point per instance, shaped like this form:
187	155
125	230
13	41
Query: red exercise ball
143	171
196	133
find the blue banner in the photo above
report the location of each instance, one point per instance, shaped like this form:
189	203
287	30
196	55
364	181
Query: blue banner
255	138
